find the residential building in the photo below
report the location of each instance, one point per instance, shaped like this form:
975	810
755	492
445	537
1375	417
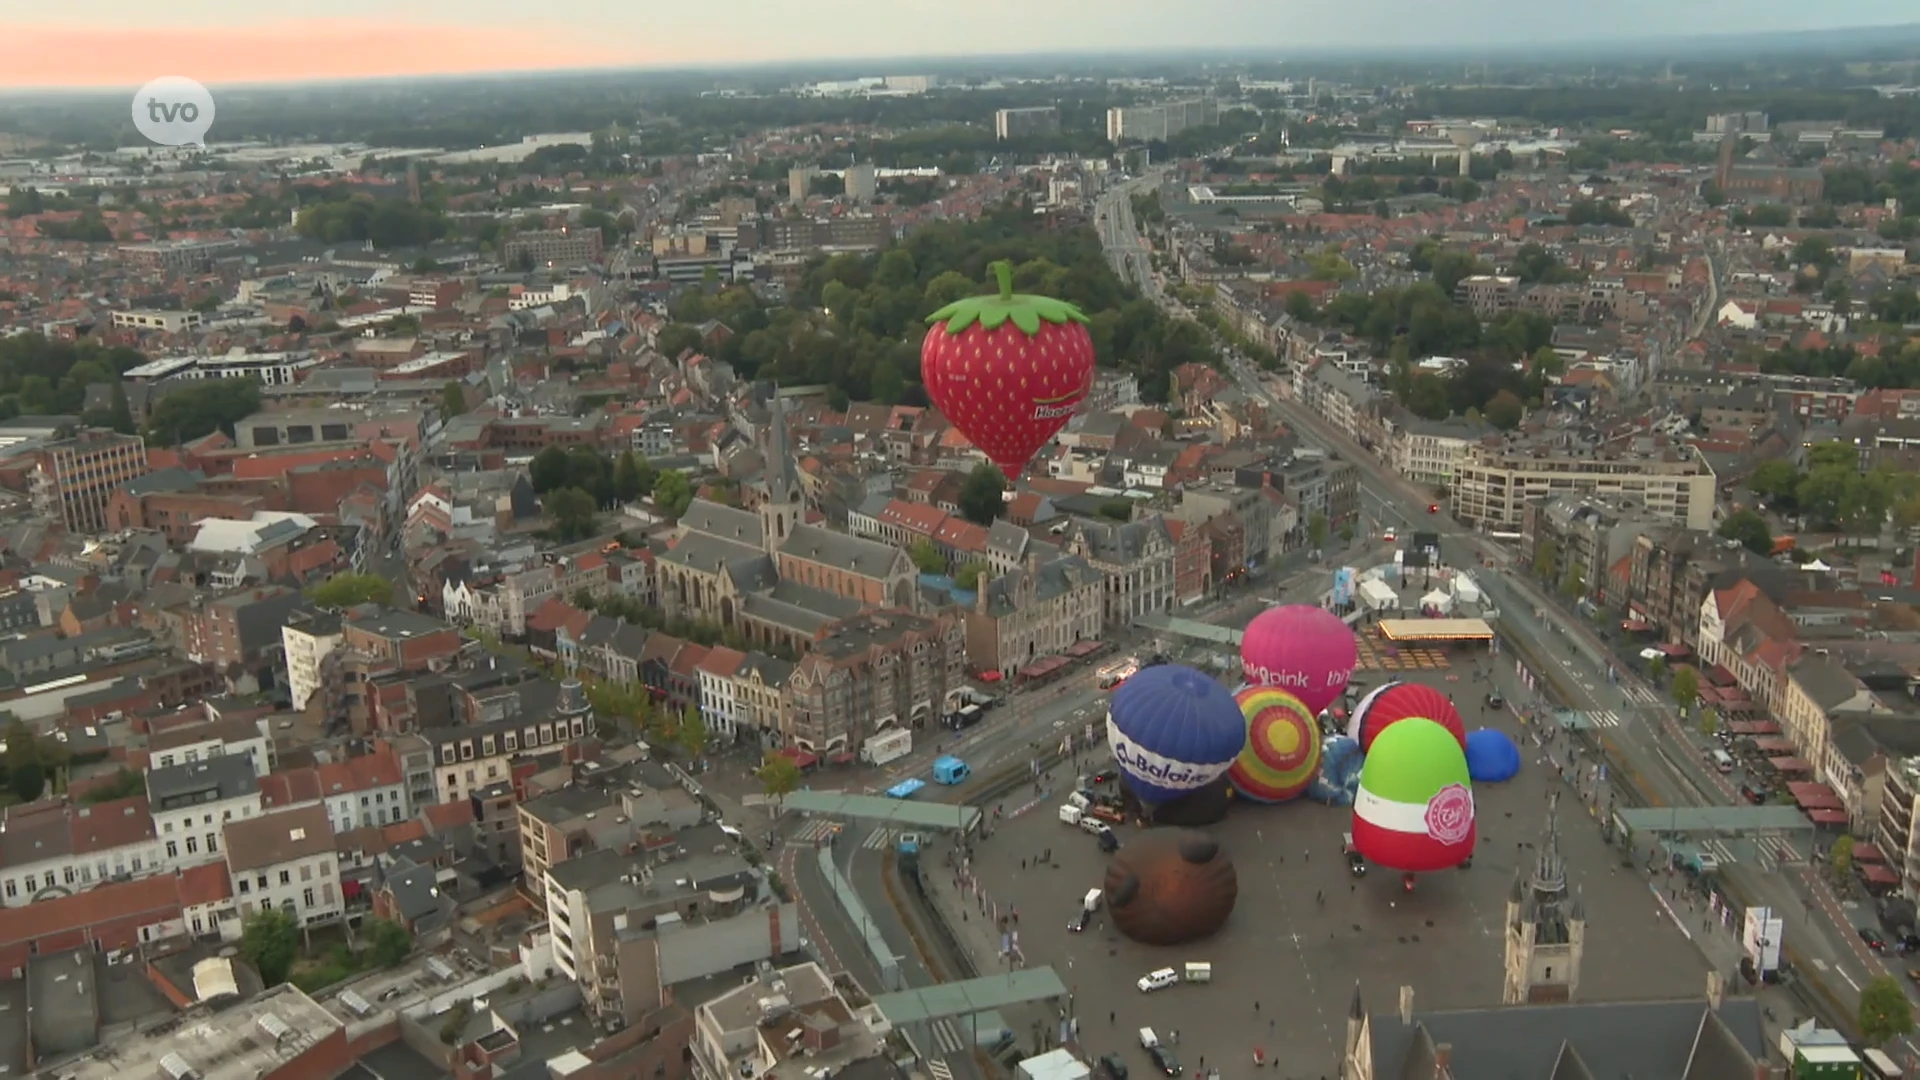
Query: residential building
1744	631
72	479
55	848
364	792
628	927
188	743
1038	610
1589	542
1203	502
1893	833
191	803
759	696
1430	451
499	602
285	861
1135	558
1656	582
1152	123
872	671
306	639
530	718
737	1033
281	1034
552	247
1034	121
1499	477
602	808
719	709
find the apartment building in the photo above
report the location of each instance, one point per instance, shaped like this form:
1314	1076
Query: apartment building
285	861
469	758
1498	478
1034	121
1489	295
192	803
500	602
1039	610
1893	832
1656	582
365	792
188	743
1430	451
1590	541
877	669
306	640
738	1034
1150	123
552	247
72	479
58	848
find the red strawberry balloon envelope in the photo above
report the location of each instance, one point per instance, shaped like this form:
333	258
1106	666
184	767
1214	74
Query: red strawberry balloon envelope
1008	370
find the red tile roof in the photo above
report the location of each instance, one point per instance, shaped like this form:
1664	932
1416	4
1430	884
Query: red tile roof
208	883
440	817
111	824
157	896
289	787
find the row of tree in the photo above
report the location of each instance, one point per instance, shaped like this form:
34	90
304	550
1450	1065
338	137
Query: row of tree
1834	492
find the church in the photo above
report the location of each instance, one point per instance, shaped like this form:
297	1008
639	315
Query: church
1542	1032
768	575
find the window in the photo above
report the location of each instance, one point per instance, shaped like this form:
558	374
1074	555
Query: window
446	754
173	850
306	897
193	845
213	843
466	751
244	886
70	875
167	828
12	888
512	741
30	884
286	877
453	780
306	872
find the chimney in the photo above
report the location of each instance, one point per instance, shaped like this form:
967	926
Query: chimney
1406	1005
1442	1061
1714	990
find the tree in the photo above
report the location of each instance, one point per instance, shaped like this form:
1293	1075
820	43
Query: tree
692	734
1546	560
672	494
1317	530
120	413
1750	529
349	589
628	483
1775	480
1885	1012
1840	857
1657	670
778	775
388	943
269	940
201	408
927	557
575	514
27	779
1300	307
981	495
1574	585
1685	688
548	470
453	399
1505	410
968	576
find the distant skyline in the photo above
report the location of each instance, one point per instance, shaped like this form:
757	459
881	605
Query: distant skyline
115	43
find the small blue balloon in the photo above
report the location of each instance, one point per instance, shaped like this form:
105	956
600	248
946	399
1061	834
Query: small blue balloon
1339	779
1491	756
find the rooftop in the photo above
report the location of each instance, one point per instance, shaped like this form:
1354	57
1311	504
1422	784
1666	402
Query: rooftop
254	1038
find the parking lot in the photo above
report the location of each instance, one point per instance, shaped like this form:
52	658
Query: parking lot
1304	931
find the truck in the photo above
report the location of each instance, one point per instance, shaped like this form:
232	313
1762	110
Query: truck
890	745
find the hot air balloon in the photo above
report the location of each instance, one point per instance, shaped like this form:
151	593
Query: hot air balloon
1492	757
1395	701
1340	765
1173	730
1007	370
1282	755
1170	887
1414	811
1304	650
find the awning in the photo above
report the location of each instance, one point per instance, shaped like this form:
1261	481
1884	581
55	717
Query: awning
1867	853
1085	648
1772	744
1754	727
800	757
1720	676
1877	874
840	758
1676	651
1831	818
1635	626
1811	796
1787	763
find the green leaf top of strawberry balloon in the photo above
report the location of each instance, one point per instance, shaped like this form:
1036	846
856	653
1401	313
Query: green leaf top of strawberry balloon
992	310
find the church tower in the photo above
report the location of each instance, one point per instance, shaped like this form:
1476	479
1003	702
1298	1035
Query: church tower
784	507
1546	926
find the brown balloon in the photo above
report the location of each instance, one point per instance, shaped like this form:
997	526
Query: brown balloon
1171	886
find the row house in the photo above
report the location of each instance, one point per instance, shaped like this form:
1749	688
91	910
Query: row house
285	861
719	709
359	793
1135	558
876	670
1428	451
56	848
1743	631
1657	597
1819	690
191	803
472	757
1192	563
209	739
500	603
1039	610
609	649
900	523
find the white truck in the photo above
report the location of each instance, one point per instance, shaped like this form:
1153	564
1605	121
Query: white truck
890	745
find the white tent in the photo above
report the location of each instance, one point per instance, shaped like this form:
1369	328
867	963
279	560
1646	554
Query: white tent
1436	600
1464	590
1379	596
1815	567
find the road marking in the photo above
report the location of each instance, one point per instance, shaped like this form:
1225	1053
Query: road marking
938	1069
1849	978
879	838
946	1033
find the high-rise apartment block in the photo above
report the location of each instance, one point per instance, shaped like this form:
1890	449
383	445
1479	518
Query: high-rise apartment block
1145	123
1037	120
73	478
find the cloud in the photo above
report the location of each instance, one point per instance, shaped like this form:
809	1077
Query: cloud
60	55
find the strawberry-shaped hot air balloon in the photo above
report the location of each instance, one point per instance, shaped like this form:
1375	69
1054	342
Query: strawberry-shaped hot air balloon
1007	370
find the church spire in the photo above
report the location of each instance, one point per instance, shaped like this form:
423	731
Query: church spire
1550	870
782	478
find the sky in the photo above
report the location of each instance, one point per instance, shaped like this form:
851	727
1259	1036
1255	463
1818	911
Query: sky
112	43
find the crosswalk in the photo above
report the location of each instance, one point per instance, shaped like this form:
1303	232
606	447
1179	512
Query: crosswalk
1779	849
1608	719
937	1068
1642	695
816	831
948	1037
879	838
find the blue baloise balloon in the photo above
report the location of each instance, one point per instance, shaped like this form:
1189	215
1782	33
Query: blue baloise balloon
1173	731
1491	756
1339	779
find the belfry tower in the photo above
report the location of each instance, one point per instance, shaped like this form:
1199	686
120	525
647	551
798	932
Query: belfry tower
1546	926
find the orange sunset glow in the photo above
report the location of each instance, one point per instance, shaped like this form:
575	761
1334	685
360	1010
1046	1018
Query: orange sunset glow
54	55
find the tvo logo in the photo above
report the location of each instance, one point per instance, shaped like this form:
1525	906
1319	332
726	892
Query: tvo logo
173	110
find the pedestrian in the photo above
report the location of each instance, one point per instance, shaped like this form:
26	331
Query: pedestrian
1256	1006
1110	1017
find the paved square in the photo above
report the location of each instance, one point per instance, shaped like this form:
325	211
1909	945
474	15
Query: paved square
1286	964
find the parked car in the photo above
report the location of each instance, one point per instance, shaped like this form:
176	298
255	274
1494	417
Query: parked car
1495	701
1867	934
1356	863
1164	1060
1113	1067
1157	980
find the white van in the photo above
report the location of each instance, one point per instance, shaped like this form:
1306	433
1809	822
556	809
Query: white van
1092	824
1197	971
1722	761
1157	980
1091	901
1071	814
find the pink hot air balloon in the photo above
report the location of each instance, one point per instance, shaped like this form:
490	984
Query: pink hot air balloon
1306	651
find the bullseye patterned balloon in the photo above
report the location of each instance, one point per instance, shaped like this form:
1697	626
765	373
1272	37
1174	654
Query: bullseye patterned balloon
1282	756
